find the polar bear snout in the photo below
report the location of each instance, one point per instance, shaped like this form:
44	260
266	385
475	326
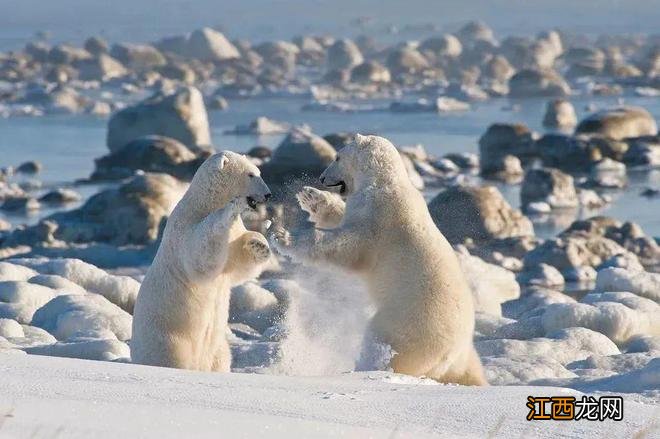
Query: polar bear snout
258	193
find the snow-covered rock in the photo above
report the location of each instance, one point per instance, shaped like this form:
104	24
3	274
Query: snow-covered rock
69	317
619	123
641	283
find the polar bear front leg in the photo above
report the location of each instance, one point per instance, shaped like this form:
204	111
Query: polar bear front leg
207	247
326	209
247	255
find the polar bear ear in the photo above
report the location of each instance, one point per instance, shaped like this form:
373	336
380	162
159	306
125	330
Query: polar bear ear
223	161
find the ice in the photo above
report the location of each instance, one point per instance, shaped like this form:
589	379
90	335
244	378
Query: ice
71	316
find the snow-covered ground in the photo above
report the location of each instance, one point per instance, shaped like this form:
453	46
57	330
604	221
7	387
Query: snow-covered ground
295	337
60	397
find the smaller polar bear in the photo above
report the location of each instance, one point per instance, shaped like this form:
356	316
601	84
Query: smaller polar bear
181	313
384	232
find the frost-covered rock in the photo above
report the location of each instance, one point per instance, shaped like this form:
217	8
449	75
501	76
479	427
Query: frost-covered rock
101	68
180	115
643	152
641	283
491	285
617	315
15	272
19	300
548	185
91	349
91	315
559	113
262	126
10	328
60	196
530	304
370	72
477	213
619	123
406	60
120	290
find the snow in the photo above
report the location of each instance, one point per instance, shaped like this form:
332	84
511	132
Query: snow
73	398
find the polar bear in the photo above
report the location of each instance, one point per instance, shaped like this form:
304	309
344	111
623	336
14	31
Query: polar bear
385	234
181	313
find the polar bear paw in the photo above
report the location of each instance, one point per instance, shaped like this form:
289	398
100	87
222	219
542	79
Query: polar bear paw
325	208
311	200
280	239
258	249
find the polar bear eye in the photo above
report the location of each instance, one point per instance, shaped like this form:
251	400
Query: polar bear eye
251	175
337	159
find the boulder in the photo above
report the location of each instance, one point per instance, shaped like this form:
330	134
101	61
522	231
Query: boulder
480	214
140	57
643	152
568	152
445	45
65	54
100	68
343	54
300	153
96	45
129	214
559	113
210	45
150	154
370	72
180	115
619	123
476	31
406	60
538	83
501	140
498	68
550	186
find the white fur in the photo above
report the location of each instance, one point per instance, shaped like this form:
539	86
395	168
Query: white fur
181	312
424	305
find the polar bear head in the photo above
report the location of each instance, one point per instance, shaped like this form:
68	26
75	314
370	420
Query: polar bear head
225	176
365	161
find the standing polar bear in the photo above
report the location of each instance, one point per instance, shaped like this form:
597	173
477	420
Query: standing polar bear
385	233
181	313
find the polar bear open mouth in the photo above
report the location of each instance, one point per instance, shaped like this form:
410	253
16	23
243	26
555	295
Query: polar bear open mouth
341	184
251	202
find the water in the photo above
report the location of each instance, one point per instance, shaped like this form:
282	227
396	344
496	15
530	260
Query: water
67	145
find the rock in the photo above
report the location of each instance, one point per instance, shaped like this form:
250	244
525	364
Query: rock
638	282
584	61
559	114
57	100
508	169
218	103
254	306
464	160
501	140
61	196
499	69
406	60
260	152
442	104
178	71
20	203
39	51
180	115
476	31
370	72
445	45
149	154
139	57
210	45
130	214
96	45
31	167
643	152
300	153
568	152
5	225
261	126
619	123
65	54
548	185
343	54
542	275
538	83
478	213
101	68
72	316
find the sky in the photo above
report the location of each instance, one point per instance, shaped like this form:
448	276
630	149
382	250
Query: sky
73	20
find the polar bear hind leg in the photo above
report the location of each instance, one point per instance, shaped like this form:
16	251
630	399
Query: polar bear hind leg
467	371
